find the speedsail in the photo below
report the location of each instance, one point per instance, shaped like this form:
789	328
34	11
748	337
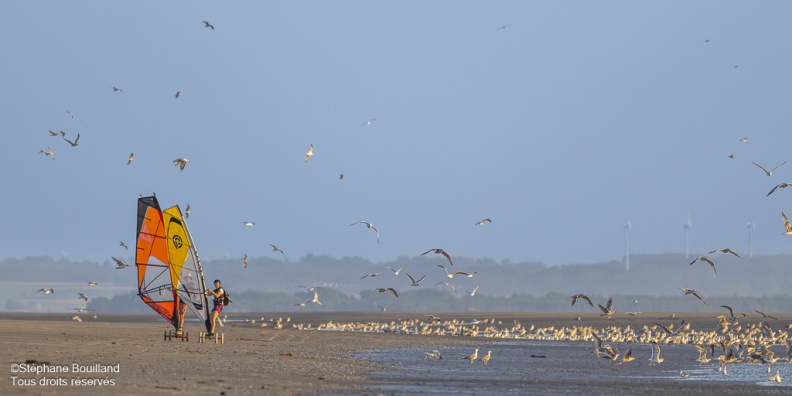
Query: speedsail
169	271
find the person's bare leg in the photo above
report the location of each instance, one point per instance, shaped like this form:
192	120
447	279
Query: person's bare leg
215	314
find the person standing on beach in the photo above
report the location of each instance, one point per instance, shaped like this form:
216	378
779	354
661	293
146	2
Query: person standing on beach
217	293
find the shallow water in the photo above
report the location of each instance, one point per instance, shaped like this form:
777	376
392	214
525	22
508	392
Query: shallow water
516	368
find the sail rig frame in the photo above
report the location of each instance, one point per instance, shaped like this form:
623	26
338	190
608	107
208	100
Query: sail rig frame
169	270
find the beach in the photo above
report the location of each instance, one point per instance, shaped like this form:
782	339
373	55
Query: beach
128	355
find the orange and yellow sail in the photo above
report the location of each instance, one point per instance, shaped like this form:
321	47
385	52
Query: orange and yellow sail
169	272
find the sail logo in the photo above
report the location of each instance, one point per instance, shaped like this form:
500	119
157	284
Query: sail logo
177	242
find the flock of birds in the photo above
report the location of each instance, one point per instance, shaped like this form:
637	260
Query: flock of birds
751	343
81	296
414	281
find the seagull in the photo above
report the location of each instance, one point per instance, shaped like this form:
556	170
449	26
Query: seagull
77	319
316	298
608	309
725	250
472	357
62	133
472	293
482	222
369	122
433	355
48	152
385	289
627	356
207	24
486	357
177	94
341	177
187	211
116	89
244	261
309	154
731	312
248	223
583	296
74	143
503	27
765	170
130	158
81	309
46	291
743	140
764	315
368	225
655	358
83	296
670	332
371	275
787	225
688	290
385	308
451	276
415	282
447	284
120	264
433	318
396	271
181	163
92	283
277	249
72	115
123	245
439	251
776	377
702	359
782	185
707	259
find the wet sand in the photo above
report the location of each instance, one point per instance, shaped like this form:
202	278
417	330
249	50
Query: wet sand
264	360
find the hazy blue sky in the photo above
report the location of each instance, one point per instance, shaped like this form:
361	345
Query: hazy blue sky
577	117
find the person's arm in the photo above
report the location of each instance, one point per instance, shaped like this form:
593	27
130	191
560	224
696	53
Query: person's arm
212	292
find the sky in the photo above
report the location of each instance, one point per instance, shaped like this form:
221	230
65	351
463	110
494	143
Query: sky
559	121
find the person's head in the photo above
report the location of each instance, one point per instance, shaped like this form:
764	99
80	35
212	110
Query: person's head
189	276
217	282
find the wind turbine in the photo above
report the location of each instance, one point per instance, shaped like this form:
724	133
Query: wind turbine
688	225
751	227
627	228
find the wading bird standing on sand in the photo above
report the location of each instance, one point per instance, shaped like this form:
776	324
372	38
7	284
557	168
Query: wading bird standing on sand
472	357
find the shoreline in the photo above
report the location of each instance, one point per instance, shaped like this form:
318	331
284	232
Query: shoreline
287	361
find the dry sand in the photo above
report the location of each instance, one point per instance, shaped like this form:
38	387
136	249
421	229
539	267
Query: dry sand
265	361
